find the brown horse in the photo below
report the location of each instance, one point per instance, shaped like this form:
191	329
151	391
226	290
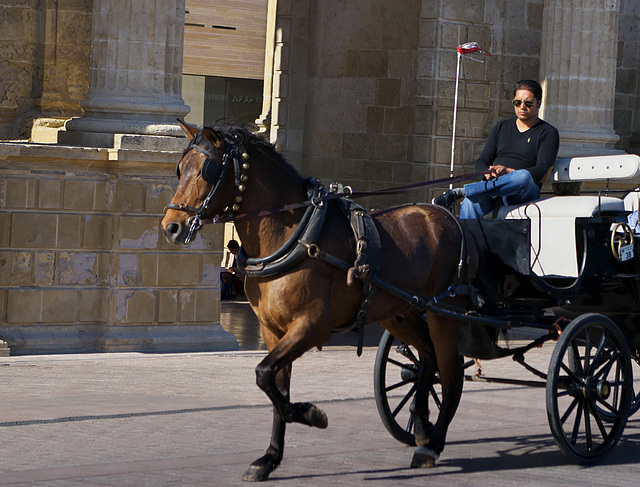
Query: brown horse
227	170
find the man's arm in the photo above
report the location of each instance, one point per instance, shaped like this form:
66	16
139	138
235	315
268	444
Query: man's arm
488	154
547	153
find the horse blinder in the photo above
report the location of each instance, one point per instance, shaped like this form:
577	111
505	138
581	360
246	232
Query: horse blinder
211	171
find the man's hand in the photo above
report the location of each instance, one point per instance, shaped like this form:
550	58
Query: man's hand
496	171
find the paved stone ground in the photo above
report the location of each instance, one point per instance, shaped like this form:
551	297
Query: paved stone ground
198	419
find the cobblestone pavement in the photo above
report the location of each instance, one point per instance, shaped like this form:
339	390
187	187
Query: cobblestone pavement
199	419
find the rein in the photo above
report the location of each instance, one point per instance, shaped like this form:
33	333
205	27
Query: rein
234	152
345	193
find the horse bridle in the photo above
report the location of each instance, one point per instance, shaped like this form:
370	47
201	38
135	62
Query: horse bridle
212	174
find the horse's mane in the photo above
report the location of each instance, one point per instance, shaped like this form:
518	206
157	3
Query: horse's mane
247	134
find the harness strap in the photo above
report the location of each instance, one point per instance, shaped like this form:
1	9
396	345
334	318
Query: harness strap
367	263
367	269
368	246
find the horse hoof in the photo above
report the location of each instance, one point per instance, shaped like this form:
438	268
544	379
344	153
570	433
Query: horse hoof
256	473
318	418
424	458
312	416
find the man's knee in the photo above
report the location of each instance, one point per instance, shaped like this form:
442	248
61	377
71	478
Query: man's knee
521	178
522	188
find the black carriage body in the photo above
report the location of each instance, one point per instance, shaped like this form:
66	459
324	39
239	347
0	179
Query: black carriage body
604	284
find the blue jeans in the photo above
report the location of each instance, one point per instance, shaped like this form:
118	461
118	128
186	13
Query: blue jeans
514	188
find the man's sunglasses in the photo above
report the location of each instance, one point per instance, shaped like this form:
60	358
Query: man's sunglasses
527	103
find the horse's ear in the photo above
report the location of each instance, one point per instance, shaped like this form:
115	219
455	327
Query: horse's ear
189	130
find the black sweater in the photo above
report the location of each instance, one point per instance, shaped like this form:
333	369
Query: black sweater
534	150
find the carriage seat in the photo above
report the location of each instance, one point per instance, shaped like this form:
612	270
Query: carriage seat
596	168
553	236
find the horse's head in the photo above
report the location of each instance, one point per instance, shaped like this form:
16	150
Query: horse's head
211	174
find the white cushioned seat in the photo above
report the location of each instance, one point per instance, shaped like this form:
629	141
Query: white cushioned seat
553	236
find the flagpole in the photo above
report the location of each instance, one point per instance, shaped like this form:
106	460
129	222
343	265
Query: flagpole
468	48
455	117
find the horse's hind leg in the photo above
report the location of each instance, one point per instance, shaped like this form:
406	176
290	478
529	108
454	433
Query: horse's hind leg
423	429
413	329
431	440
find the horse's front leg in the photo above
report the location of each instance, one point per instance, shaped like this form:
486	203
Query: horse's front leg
300	412
263	466
273	376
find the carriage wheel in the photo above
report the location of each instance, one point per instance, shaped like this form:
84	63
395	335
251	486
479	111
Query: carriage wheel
589	373
396	373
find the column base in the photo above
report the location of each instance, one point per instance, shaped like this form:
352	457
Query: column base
574	144
155	143
103	338
5	351
167	338
46	130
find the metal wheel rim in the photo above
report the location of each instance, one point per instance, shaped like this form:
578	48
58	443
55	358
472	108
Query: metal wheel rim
576	388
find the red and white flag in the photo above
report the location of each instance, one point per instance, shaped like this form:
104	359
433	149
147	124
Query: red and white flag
470	48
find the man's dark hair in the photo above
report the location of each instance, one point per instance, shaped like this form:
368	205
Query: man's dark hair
233	244
529	85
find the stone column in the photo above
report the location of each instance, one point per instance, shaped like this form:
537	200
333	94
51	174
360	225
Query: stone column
578	73
63	46
264	121
136	73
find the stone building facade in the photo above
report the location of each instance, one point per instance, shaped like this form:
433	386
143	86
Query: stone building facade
361	92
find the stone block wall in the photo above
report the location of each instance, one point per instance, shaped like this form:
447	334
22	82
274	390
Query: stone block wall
344	91
18	66
84	265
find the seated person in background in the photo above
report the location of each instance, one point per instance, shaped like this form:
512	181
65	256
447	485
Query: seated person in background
516	158
232	279
632	219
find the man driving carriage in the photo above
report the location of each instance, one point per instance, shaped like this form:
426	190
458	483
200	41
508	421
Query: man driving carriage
516	158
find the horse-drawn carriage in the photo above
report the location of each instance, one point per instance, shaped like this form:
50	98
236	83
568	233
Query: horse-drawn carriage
316	262
568	267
